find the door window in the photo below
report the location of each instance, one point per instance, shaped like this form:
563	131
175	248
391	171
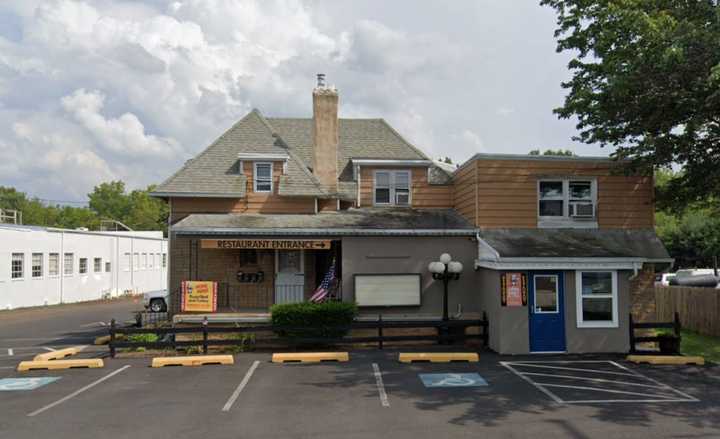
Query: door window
546	293
289	262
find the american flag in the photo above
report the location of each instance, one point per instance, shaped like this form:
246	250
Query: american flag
322	291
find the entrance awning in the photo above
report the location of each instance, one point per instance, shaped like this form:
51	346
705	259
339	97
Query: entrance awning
572	249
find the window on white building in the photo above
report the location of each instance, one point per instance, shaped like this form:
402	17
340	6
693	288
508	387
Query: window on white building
107	267
144	261
136	262
392	188
151	260
164	260
68	268
262	177
97	265
17	265
82	266
37	265
53	264
596	298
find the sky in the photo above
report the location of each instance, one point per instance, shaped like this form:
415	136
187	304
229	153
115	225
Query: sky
100	90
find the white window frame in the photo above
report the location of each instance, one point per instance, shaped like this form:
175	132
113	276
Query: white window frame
392	186
80	266
557	294
164	260
256	179
68	269
108	266
56	272
97	265
41	265
21	259
566	220
614	323
128	258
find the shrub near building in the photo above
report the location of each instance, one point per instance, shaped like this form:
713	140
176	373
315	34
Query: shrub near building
318	318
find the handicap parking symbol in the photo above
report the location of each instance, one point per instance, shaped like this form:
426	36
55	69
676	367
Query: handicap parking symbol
452	380
10	384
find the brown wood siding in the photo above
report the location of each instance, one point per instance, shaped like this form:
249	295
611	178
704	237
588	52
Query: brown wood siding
424	195
253	202
465	192
507	192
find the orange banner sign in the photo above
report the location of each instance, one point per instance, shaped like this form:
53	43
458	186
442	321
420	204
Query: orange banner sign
199	296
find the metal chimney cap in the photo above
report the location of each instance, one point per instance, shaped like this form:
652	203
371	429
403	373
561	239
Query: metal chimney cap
321	80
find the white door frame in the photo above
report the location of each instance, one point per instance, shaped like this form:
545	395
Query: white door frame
277	266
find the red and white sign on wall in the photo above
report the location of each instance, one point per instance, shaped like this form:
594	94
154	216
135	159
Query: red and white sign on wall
513	289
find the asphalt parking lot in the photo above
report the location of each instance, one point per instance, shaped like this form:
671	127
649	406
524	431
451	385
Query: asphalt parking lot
372	395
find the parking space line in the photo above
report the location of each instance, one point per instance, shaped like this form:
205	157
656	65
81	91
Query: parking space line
380	385
652	394
597	380
599	389
48	349
10	352
77	392
690	397
552	396
228	405
573	368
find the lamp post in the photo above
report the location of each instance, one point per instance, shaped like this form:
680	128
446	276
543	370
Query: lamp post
445	270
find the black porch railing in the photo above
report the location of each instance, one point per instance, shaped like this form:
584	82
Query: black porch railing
446	332
673	340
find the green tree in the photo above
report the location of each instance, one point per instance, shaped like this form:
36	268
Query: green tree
646	80
109	200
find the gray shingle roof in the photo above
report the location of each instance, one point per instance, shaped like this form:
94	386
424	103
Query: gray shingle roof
214	171
575	243
347	222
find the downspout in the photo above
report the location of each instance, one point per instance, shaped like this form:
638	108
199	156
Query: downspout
636	270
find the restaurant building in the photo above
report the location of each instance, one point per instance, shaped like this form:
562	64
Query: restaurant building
555	249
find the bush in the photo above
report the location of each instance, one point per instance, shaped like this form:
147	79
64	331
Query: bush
143	338
319	318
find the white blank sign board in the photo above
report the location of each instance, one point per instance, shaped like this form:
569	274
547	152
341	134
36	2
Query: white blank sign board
387	289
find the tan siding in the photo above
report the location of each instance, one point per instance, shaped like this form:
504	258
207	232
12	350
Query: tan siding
506	192
253	202
424	195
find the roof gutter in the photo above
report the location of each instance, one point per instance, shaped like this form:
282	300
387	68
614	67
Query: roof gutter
319	232
390	162
570	263
196	194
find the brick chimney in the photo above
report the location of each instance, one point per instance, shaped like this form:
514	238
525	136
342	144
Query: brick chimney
325	134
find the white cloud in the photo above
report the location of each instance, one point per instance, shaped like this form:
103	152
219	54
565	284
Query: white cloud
124	135
92	86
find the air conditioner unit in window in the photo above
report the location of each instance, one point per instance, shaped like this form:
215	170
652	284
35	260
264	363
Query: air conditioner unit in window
582	209
402	198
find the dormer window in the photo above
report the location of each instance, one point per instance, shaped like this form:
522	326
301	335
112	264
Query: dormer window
262	177
392	188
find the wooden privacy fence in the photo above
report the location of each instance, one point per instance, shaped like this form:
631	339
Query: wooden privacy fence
699	308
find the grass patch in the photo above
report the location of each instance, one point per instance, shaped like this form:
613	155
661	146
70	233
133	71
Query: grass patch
702	345
694	344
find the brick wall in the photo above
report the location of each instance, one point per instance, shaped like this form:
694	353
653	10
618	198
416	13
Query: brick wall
642	295
190	262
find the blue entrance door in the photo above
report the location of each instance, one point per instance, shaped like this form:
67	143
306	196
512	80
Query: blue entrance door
547	312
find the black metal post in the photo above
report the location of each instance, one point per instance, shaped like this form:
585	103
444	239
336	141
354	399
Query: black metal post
676	324
380	331
205	335
446	280
485	329
112	338
631	329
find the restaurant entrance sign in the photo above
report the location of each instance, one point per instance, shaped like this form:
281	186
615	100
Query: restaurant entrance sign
266	244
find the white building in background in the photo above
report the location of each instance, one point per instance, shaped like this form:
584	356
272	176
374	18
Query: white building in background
47	266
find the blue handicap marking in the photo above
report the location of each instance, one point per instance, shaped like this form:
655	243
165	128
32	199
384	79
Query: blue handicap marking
10	384
452	380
